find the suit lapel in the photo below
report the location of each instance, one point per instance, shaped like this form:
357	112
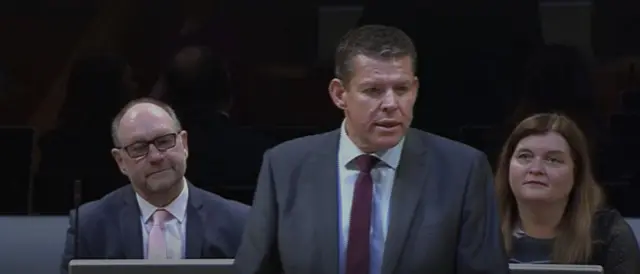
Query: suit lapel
130	225
322	173
407	190
195	227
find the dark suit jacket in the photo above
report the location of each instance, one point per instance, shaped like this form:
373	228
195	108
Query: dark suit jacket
110	228
443	216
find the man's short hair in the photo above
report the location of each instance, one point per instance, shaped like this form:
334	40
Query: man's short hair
374	41
115	124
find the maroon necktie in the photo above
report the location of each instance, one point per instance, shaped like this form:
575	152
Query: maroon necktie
358	243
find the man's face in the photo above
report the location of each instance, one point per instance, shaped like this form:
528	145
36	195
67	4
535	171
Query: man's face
377	100
153	153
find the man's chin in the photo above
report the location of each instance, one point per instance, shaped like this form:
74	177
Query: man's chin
160	184
387	142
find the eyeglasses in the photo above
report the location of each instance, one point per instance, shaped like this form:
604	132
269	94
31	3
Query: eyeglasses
141	148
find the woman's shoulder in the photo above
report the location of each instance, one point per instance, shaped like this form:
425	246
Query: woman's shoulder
607	214
610	230
616	247
608	220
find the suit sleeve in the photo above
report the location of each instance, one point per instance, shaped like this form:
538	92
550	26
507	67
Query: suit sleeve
480	245
258	252
70	244
239	216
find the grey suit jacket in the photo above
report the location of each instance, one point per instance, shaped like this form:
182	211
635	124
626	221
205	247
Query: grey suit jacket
110	228
443	216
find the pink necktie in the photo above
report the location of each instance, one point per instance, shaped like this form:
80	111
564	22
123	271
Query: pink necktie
157	249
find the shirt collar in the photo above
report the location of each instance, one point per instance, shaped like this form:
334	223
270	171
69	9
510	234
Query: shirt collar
177	208
348	151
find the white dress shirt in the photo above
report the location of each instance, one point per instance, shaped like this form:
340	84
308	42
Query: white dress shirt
175	228
383	175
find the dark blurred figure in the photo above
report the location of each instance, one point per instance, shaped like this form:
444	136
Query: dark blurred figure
228	157
615	28
558	79
79	148
4	80
197	82
630	93
468	58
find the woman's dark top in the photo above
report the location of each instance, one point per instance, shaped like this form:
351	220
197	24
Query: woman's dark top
615	247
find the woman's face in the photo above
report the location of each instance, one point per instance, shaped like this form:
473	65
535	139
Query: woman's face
541	168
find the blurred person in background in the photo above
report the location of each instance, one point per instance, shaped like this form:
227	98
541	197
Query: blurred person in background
78	148
559	79
198	85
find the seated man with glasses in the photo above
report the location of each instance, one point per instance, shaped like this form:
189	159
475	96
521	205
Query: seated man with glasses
160	215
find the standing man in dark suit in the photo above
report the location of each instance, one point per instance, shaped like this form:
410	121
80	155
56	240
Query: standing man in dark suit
160	215
374	196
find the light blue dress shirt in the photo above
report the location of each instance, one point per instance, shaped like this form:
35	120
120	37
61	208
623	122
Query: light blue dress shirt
383	175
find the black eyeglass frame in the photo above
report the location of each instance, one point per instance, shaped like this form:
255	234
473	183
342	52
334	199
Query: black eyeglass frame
172	139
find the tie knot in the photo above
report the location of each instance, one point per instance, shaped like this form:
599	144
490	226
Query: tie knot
366	162
160	216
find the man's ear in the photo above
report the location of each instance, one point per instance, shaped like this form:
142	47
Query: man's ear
337	91
118	158
185	142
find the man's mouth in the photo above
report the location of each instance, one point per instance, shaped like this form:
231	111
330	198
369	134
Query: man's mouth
388	124
156	172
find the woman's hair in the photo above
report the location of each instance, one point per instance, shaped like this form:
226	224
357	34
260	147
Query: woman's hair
573	241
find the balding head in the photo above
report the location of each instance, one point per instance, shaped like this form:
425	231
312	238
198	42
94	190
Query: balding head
142	108
143	119
151	149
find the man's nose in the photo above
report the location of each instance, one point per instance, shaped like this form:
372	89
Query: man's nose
389	100
154	154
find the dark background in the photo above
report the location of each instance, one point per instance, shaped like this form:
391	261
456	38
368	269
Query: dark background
474	62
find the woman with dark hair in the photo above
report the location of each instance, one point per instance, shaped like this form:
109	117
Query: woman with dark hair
551	206
78	149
